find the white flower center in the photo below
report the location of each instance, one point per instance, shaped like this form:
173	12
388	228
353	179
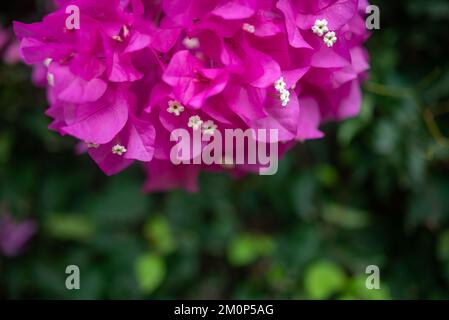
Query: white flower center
125	31
47	62
191	43
249	28
175	107
118	38
195	122
285	98
51	79
330	39
91	145
209	128
118	149
280	85
284	94
320	27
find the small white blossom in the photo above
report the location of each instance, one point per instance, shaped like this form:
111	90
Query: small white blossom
191	43
91	145
284	94
175	107
320	27
47	62
280	85
118	38
195	122
51	79
125	31
330	39
209	128
249	28
285	97
118	149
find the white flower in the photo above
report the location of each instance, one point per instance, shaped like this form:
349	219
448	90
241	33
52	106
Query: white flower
320	27
191	43
285	97
195	122
91	145
50	76
125	31
47	62
117	38
51	79
280	85
175	107
209	127
284	94
118	149
330	39
249	28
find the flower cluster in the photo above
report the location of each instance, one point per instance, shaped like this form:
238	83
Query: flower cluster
136	70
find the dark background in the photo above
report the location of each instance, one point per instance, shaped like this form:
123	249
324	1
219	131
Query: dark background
374	191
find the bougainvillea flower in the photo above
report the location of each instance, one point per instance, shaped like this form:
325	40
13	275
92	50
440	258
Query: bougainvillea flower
138	70
9	47
191	82
14	235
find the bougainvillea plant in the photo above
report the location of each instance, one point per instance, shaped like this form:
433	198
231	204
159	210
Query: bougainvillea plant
135	70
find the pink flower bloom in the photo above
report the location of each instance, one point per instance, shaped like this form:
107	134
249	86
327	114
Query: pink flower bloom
14	236
12	54
191	82
138	69
9	47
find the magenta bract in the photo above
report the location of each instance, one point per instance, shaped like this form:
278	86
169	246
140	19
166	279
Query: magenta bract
136	70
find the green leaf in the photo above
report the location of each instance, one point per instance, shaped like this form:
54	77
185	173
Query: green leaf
345	217
443	246
70	227
327	175
121	203
150	272
324	279
157	230
303	195
349	129
386	138
247	248
356	289
6	142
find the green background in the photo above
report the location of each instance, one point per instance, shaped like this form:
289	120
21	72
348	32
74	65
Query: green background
375	191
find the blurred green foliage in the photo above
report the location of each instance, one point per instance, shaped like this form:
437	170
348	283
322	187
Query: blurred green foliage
375	191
